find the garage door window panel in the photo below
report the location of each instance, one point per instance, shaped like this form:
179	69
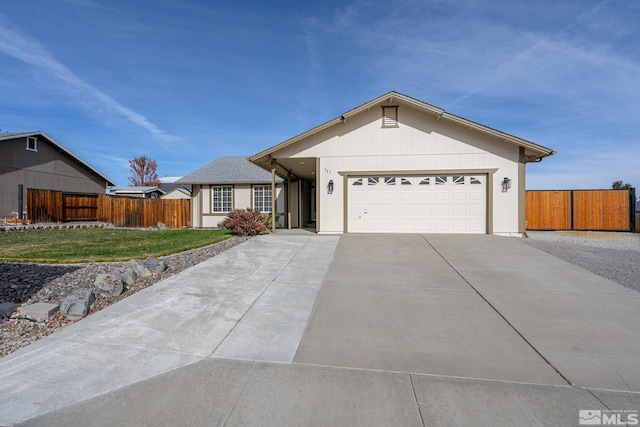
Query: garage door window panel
441	180
373	181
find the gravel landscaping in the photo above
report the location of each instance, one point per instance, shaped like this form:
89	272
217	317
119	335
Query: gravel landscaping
613	255
31	283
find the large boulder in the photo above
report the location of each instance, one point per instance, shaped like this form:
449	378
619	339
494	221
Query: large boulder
110	284
155	265
139	267
78	304
127	275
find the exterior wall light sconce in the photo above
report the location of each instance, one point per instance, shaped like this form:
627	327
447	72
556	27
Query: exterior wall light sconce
506	184
330	187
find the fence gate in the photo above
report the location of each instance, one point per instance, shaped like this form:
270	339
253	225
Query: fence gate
80	207
593	210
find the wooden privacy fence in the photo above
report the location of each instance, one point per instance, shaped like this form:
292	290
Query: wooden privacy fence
595	210
47	206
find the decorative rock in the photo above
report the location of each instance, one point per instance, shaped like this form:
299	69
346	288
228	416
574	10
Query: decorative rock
6	308
127	275
110	284
161	226
77	306
40	311
138	266
155	265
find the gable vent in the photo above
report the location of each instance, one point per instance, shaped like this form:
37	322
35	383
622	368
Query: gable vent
390	116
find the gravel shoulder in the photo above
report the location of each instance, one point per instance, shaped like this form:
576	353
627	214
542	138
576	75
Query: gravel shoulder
614	256
31	283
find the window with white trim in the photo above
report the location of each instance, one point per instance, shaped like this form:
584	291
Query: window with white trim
262	198
222	198
32	143
390	116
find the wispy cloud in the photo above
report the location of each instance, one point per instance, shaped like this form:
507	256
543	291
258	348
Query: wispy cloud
19	46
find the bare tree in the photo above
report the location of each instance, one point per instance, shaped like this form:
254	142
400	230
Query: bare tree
618	185
143	172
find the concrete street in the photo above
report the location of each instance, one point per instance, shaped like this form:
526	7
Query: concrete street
365	330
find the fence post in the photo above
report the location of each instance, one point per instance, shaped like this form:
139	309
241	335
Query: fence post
572	210
632	209
20	201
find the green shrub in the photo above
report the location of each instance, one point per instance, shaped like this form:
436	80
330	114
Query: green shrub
249	222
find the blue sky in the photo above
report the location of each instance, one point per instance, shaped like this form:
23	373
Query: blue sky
186	82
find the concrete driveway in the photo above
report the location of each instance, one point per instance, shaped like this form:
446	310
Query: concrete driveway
350	330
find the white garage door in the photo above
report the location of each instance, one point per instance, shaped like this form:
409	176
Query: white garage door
417	204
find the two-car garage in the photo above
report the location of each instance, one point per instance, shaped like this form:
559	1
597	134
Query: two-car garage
399	165
417	204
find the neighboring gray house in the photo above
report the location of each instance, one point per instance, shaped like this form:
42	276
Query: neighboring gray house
168	183
35	160
139	192
177	193
230	183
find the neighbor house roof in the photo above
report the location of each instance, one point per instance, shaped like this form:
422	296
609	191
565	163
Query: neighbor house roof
180	190
533	152
228	170
5	136
137	190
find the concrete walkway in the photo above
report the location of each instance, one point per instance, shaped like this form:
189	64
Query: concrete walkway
350	330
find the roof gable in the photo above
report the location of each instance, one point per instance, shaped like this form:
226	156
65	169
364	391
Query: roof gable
533	152
228	170
6	136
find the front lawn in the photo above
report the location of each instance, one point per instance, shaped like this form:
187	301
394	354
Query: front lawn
100	244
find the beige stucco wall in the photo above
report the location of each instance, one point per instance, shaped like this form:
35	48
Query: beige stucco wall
419	143
201	208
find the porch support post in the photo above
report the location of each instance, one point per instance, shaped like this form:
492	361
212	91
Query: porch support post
273	195
289	200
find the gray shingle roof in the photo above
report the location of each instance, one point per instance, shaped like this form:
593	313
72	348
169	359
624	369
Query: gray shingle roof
138	189
229	170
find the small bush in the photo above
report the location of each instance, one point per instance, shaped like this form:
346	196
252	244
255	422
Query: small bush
249	222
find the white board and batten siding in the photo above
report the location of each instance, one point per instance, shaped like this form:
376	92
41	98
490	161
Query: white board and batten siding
420	146
403	144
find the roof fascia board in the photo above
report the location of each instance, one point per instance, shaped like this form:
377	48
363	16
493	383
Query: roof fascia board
390	96
297	138
414	103
498	134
